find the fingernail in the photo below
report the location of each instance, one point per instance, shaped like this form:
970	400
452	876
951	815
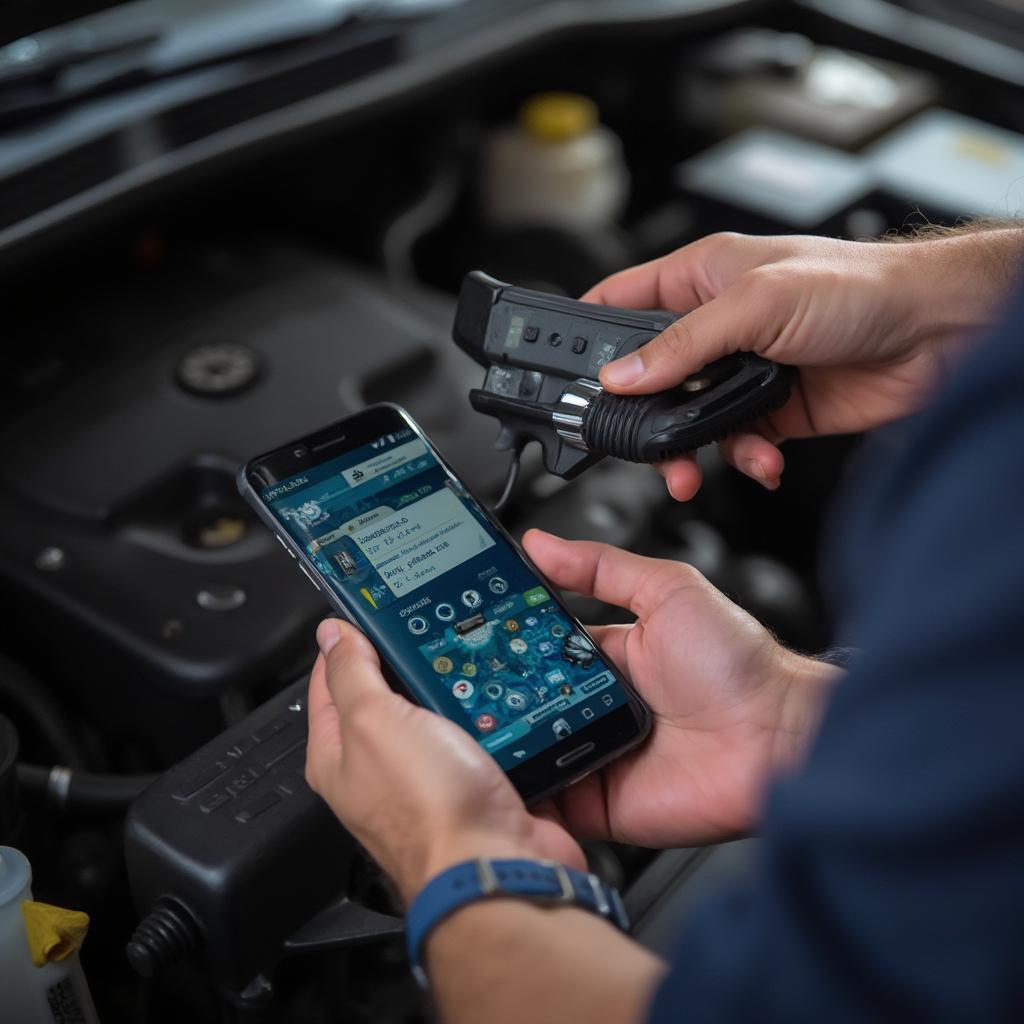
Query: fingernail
756	470
327	635
623	372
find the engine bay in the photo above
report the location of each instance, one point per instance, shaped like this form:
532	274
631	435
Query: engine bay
191	277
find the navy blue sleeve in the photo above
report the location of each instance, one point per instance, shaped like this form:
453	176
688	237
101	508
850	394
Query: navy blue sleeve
891	885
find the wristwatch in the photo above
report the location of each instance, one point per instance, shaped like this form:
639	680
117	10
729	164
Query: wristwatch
539	881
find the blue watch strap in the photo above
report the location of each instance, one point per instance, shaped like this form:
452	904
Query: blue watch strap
538	881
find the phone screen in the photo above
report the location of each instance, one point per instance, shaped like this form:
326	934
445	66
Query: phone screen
450	603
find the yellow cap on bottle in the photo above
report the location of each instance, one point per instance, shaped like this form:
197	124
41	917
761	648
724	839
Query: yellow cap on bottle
53	932
558	116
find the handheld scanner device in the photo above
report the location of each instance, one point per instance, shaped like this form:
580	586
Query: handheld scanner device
543	354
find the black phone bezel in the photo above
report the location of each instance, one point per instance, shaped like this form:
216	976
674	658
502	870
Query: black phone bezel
612	734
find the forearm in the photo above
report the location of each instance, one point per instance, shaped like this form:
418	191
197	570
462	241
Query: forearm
505	961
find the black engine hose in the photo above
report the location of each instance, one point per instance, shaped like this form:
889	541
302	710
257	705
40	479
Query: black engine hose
62	788
28	695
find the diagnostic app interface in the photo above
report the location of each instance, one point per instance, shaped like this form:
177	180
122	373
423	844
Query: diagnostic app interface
452	605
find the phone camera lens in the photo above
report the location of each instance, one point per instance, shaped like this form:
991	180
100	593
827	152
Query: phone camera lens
300	452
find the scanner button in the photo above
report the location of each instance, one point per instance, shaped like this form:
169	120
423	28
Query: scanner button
531	333
503	380
529	387
554	339
574	755
579	345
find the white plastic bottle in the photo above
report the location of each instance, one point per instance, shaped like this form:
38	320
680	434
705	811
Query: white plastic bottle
557	166
56	991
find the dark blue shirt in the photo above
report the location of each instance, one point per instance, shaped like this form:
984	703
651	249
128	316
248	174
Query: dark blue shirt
891	885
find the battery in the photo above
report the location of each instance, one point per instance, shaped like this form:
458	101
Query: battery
791	182
947	163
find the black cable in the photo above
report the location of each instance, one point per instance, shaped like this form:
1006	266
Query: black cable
510	480
28	694
63	788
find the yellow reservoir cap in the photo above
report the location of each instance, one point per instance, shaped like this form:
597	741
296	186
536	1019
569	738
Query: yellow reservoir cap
558	116
53	932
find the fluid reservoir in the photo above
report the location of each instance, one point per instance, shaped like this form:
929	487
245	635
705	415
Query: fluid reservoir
557	166
41	978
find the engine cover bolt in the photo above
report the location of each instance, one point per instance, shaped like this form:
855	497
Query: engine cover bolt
50	559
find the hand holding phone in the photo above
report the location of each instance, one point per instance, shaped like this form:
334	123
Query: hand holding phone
464	624
445	798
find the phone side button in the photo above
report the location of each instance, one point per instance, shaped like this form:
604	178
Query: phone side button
574	755
280	541
305	573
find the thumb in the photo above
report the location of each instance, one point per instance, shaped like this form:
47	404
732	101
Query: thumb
352	665
598	570
732	322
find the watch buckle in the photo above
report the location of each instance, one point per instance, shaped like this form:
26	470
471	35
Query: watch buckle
486	876
568	893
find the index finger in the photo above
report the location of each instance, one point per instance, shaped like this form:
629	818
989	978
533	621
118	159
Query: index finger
324	743
653	285
690	276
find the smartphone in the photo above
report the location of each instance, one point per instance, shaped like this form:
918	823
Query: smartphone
465	624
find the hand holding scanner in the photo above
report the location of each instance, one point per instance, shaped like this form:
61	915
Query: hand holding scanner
543	354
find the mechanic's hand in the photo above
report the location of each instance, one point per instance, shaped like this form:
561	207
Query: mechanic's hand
732	707
416	790
868	324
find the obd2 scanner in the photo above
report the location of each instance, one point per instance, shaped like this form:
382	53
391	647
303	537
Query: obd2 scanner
543	354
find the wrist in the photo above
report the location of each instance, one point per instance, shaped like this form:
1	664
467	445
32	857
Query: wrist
454	848
809	682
